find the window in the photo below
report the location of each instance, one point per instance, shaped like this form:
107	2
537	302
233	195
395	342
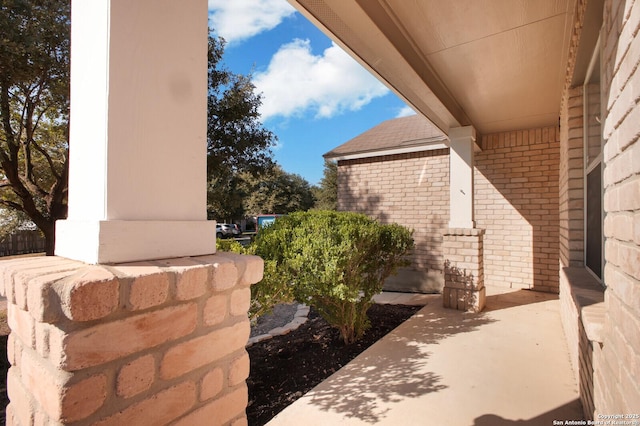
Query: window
593	143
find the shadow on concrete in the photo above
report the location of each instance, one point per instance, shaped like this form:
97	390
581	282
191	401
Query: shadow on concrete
394	369
521	297
565	412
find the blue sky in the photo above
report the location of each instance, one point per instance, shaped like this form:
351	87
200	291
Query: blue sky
315	96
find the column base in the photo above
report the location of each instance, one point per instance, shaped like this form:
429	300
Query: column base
464	288
123	344
116	241
464	300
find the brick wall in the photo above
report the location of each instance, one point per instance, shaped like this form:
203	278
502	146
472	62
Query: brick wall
571	180
605	347
516	202
581	294
616	376
464	288
146	343
582	314
409	189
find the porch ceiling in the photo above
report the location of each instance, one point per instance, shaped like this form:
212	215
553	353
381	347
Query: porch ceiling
495	64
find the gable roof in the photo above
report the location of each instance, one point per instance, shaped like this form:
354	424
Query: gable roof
397	136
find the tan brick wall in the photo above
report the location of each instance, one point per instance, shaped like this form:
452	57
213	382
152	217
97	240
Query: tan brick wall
582	313
516	202
580	291
607	369
464	288
572	180
409	189
130	344
616	377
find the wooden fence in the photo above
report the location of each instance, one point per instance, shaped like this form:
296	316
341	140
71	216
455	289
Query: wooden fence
22	242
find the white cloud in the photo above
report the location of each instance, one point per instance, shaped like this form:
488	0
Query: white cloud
298	82
405	112
236	20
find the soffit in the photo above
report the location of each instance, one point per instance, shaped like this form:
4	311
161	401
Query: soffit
496	64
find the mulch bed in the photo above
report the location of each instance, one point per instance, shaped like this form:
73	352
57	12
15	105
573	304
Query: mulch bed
286	367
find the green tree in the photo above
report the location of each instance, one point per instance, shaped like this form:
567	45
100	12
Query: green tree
34	118
34	110
327	193
236	140
11	220
224	196
276	191
335	261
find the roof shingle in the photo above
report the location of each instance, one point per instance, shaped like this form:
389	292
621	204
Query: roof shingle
401	132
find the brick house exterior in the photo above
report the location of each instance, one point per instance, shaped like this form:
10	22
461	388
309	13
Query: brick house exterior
556	208
410	188
390	189
516	201
539	102
603	326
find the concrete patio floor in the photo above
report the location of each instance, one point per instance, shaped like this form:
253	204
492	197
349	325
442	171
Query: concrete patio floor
508	365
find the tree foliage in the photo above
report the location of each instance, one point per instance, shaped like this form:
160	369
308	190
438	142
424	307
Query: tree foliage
275	191
34	118
327	193
34	110
11	221
236	140
335	261
224	196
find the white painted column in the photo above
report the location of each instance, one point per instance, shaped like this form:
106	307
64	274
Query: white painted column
137	178
461	158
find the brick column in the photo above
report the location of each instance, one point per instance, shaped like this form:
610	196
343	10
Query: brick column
153	342
464	288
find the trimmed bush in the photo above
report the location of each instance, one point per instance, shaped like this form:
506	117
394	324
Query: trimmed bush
268	292
333	261
231	246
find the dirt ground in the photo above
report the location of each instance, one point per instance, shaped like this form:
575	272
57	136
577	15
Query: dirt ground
286	367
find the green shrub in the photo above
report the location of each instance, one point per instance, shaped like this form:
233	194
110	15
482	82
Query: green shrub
334	261
268	292
230	245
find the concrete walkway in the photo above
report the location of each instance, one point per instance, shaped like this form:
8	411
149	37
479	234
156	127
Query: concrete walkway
506	366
